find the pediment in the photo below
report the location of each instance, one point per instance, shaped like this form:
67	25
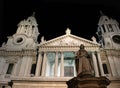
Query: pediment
68	40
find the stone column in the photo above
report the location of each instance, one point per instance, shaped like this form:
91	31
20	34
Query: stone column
44	64
62	65
28	66
5	68
114	28
56	65
117	27
106	28
101	29
23	66
18	66
14	69
18	30
38	66
95	65
21	29
100	64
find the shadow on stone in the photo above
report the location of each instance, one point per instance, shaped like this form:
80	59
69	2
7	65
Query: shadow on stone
85	75
88	81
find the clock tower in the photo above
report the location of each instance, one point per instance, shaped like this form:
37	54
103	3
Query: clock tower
108	33
25	36
109	37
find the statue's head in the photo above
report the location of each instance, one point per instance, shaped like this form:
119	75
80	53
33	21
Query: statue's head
82	46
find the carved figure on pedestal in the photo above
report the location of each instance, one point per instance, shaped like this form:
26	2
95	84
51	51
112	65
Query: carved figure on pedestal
83	62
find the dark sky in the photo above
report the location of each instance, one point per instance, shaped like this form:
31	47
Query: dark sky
53	17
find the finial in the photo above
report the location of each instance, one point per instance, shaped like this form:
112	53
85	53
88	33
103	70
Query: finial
33	14
68	31
101	13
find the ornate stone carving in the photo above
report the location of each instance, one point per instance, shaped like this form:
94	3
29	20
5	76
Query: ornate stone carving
94	39
42	39
12	59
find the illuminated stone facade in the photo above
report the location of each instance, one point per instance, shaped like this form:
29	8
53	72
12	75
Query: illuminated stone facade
25	63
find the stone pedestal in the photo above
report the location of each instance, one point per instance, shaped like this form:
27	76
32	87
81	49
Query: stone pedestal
88	82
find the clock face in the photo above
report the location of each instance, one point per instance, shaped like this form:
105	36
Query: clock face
19	39
116	39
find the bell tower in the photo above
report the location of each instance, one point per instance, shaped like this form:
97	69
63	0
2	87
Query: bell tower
109	37
108	32
25	36
29	27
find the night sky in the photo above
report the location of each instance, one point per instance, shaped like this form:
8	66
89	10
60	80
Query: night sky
53	17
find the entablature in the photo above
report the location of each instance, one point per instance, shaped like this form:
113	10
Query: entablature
18	53
66	48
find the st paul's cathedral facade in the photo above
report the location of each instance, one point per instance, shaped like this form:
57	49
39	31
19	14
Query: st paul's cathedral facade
25	63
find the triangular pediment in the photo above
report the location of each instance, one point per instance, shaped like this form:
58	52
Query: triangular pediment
68	40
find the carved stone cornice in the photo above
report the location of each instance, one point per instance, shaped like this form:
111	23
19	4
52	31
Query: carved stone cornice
113	52
68	40
18	53
12	59
66	48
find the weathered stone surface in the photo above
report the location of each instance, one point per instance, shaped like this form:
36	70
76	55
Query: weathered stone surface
88	82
